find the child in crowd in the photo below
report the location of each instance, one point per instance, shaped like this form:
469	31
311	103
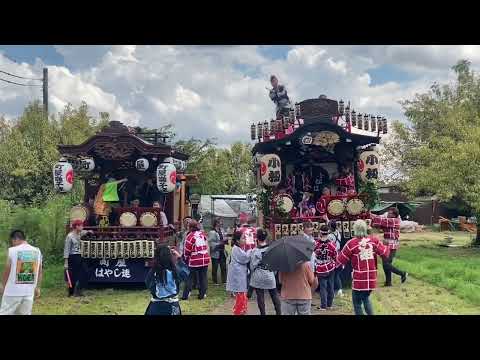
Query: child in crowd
325	254
336	237
162	281
237	274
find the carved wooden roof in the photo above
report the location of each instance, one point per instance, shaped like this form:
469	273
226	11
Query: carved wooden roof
117	142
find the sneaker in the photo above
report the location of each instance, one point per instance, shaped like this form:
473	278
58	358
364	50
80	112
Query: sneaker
322	309
216	284
340	293
201	298
404	277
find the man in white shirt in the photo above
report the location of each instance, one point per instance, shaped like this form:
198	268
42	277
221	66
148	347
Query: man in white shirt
22	276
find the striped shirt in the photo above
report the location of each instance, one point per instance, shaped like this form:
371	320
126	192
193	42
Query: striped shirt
362	252
391	230
195	251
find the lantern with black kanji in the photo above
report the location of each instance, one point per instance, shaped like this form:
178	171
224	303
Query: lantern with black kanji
291	113
385	130
373	121
166	177
253	132
63	176
368	165
341	107
347	109
265	130
272	127
87	164
298	110
354	118
380	125
379	120
285	122
270	170
360	121
366	120
142	164
278	125
260	130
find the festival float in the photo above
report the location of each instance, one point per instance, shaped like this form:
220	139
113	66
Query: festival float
120	246
315	164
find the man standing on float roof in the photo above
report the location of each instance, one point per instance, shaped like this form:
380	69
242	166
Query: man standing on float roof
279	96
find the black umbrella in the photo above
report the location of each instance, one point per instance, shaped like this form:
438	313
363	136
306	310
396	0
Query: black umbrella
288	252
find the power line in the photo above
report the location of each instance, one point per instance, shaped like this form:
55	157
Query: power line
11	82
20	77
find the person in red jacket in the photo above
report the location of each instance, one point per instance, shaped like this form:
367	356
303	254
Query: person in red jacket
325	260
195	255
345	182
362	252
391	234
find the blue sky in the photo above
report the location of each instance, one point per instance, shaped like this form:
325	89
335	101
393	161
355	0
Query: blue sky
220	90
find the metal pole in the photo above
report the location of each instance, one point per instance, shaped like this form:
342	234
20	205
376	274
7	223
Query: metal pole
45	91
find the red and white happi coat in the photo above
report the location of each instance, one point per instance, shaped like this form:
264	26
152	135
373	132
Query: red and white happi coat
195	251
250	234
362	252
346	185
325	257
391	229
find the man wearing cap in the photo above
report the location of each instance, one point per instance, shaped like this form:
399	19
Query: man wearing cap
278	94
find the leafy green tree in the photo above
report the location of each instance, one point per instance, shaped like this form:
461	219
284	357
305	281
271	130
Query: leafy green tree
440	147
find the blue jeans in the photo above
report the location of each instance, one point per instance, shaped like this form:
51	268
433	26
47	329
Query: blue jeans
337	283
326	289
361	299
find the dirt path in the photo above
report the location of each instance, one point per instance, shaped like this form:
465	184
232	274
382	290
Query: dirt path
415	297
340	307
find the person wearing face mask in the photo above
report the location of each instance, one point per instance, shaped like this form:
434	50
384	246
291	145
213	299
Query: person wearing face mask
326	255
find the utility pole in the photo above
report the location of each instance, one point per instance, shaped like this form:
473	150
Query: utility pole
45	91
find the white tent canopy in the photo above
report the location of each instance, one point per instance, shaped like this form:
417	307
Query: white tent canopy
226	206
221	208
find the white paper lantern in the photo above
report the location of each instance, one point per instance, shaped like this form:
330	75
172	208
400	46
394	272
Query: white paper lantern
87	164
368	166
166	177
142	164
179	164
62	176
270	170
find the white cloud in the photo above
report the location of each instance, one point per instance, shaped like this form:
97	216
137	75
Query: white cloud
218	91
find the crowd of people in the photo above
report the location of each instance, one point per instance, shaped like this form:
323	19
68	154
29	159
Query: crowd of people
242	272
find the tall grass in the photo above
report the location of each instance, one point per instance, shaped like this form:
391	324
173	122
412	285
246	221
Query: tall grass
457	270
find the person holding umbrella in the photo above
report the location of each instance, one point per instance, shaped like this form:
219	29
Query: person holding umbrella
362	252
291	256
261	278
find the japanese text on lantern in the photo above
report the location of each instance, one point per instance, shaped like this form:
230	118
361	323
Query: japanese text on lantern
58	176
162	178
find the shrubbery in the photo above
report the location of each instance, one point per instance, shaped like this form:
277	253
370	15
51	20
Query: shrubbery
44	226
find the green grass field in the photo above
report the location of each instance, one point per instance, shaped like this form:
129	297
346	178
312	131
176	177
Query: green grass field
442	281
